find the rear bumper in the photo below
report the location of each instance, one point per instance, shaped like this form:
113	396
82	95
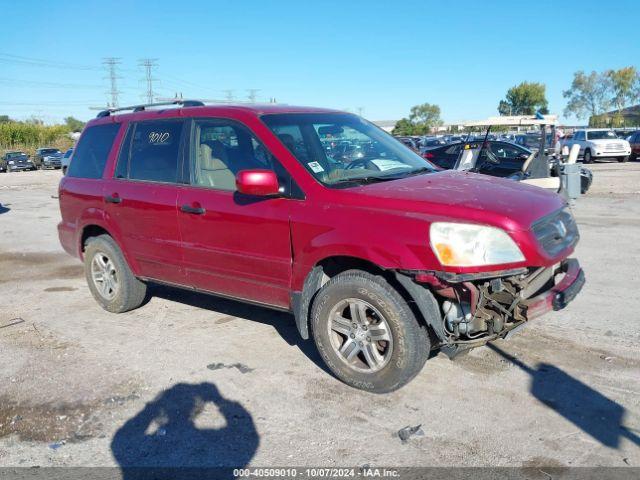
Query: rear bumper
67	236
560	295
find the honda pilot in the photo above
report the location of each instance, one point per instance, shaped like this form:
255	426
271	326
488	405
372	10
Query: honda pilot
380	256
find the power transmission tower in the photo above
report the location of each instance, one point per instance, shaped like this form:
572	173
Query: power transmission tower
148	64
228	95
360	110
251	94
112	63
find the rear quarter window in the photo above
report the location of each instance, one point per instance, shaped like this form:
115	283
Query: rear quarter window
92	151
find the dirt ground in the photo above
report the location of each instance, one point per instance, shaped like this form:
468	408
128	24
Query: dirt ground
190	379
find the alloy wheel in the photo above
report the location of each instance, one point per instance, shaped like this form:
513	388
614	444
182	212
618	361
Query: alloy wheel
360	335
104	276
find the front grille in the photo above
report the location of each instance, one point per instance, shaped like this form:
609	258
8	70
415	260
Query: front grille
556	232
614	147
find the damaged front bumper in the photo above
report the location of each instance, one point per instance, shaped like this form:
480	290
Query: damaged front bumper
475	309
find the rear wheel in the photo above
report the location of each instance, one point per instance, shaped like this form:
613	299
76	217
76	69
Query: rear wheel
110	279
587	156
366	332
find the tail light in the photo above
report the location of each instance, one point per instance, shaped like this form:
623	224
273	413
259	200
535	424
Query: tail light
428	155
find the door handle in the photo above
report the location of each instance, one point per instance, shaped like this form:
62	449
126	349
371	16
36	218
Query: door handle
195	210
113	198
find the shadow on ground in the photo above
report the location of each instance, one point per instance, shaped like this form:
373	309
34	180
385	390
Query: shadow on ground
589	410
282	322
188	431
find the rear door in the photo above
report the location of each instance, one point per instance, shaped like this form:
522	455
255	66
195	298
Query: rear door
233	244
141	197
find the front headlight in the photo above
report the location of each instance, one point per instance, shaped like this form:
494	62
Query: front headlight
468	245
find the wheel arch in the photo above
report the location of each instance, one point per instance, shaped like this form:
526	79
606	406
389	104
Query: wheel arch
331	266
94	229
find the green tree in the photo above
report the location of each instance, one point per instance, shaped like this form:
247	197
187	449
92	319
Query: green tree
4	119
74	124
403	127
589	95
422	119
524	99
425	117
624	86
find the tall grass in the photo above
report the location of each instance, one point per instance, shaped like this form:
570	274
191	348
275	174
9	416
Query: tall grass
28	136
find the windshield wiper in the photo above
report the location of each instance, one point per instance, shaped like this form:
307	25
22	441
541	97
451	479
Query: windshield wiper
364	180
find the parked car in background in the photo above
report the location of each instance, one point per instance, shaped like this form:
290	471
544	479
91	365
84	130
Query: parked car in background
596	143
505	160
66	159
634	142
47	158
410	142
15	162
531	141
381	260
432	142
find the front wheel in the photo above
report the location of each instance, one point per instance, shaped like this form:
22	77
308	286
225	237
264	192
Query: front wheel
110	279
623	159
366	332
587	156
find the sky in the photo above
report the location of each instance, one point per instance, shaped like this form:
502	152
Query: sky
377	58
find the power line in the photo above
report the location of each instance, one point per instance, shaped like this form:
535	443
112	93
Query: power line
251	94
112	64
148	64
38	62
32	83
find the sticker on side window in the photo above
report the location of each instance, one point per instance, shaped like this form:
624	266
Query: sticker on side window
159	138
316	167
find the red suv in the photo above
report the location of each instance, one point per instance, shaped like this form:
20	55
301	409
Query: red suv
380	257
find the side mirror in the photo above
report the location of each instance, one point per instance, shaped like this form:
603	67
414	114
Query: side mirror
260	183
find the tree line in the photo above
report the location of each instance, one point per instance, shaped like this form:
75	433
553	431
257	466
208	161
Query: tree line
31	134
590	96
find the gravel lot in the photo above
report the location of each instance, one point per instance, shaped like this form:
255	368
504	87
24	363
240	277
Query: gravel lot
190	379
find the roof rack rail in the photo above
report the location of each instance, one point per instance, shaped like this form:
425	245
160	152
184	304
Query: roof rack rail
140	108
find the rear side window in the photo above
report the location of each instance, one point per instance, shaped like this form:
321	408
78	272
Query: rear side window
92	151
151	151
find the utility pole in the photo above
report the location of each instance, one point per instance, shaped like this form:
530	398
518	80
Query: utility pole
251	94
228	95
360	110
112	63
148	64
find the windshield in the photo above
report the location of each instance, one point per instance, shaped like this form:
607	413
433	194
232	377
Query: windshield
47	151
343	149
13	155
601	135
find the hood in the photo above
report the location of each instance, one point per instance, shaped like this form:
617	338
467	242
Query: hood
463	196
604	141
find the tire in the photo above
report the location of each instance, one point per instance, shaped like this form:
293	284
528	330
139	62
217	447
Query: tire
623	159
102	254
633	157
587	156
64	170
386	315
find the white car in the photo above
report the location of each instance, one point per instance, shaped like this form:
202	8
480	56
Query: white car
65	160
600	143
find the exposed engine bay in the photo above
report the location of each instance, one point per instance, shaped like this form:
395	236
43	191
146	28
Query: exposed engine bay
477	311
